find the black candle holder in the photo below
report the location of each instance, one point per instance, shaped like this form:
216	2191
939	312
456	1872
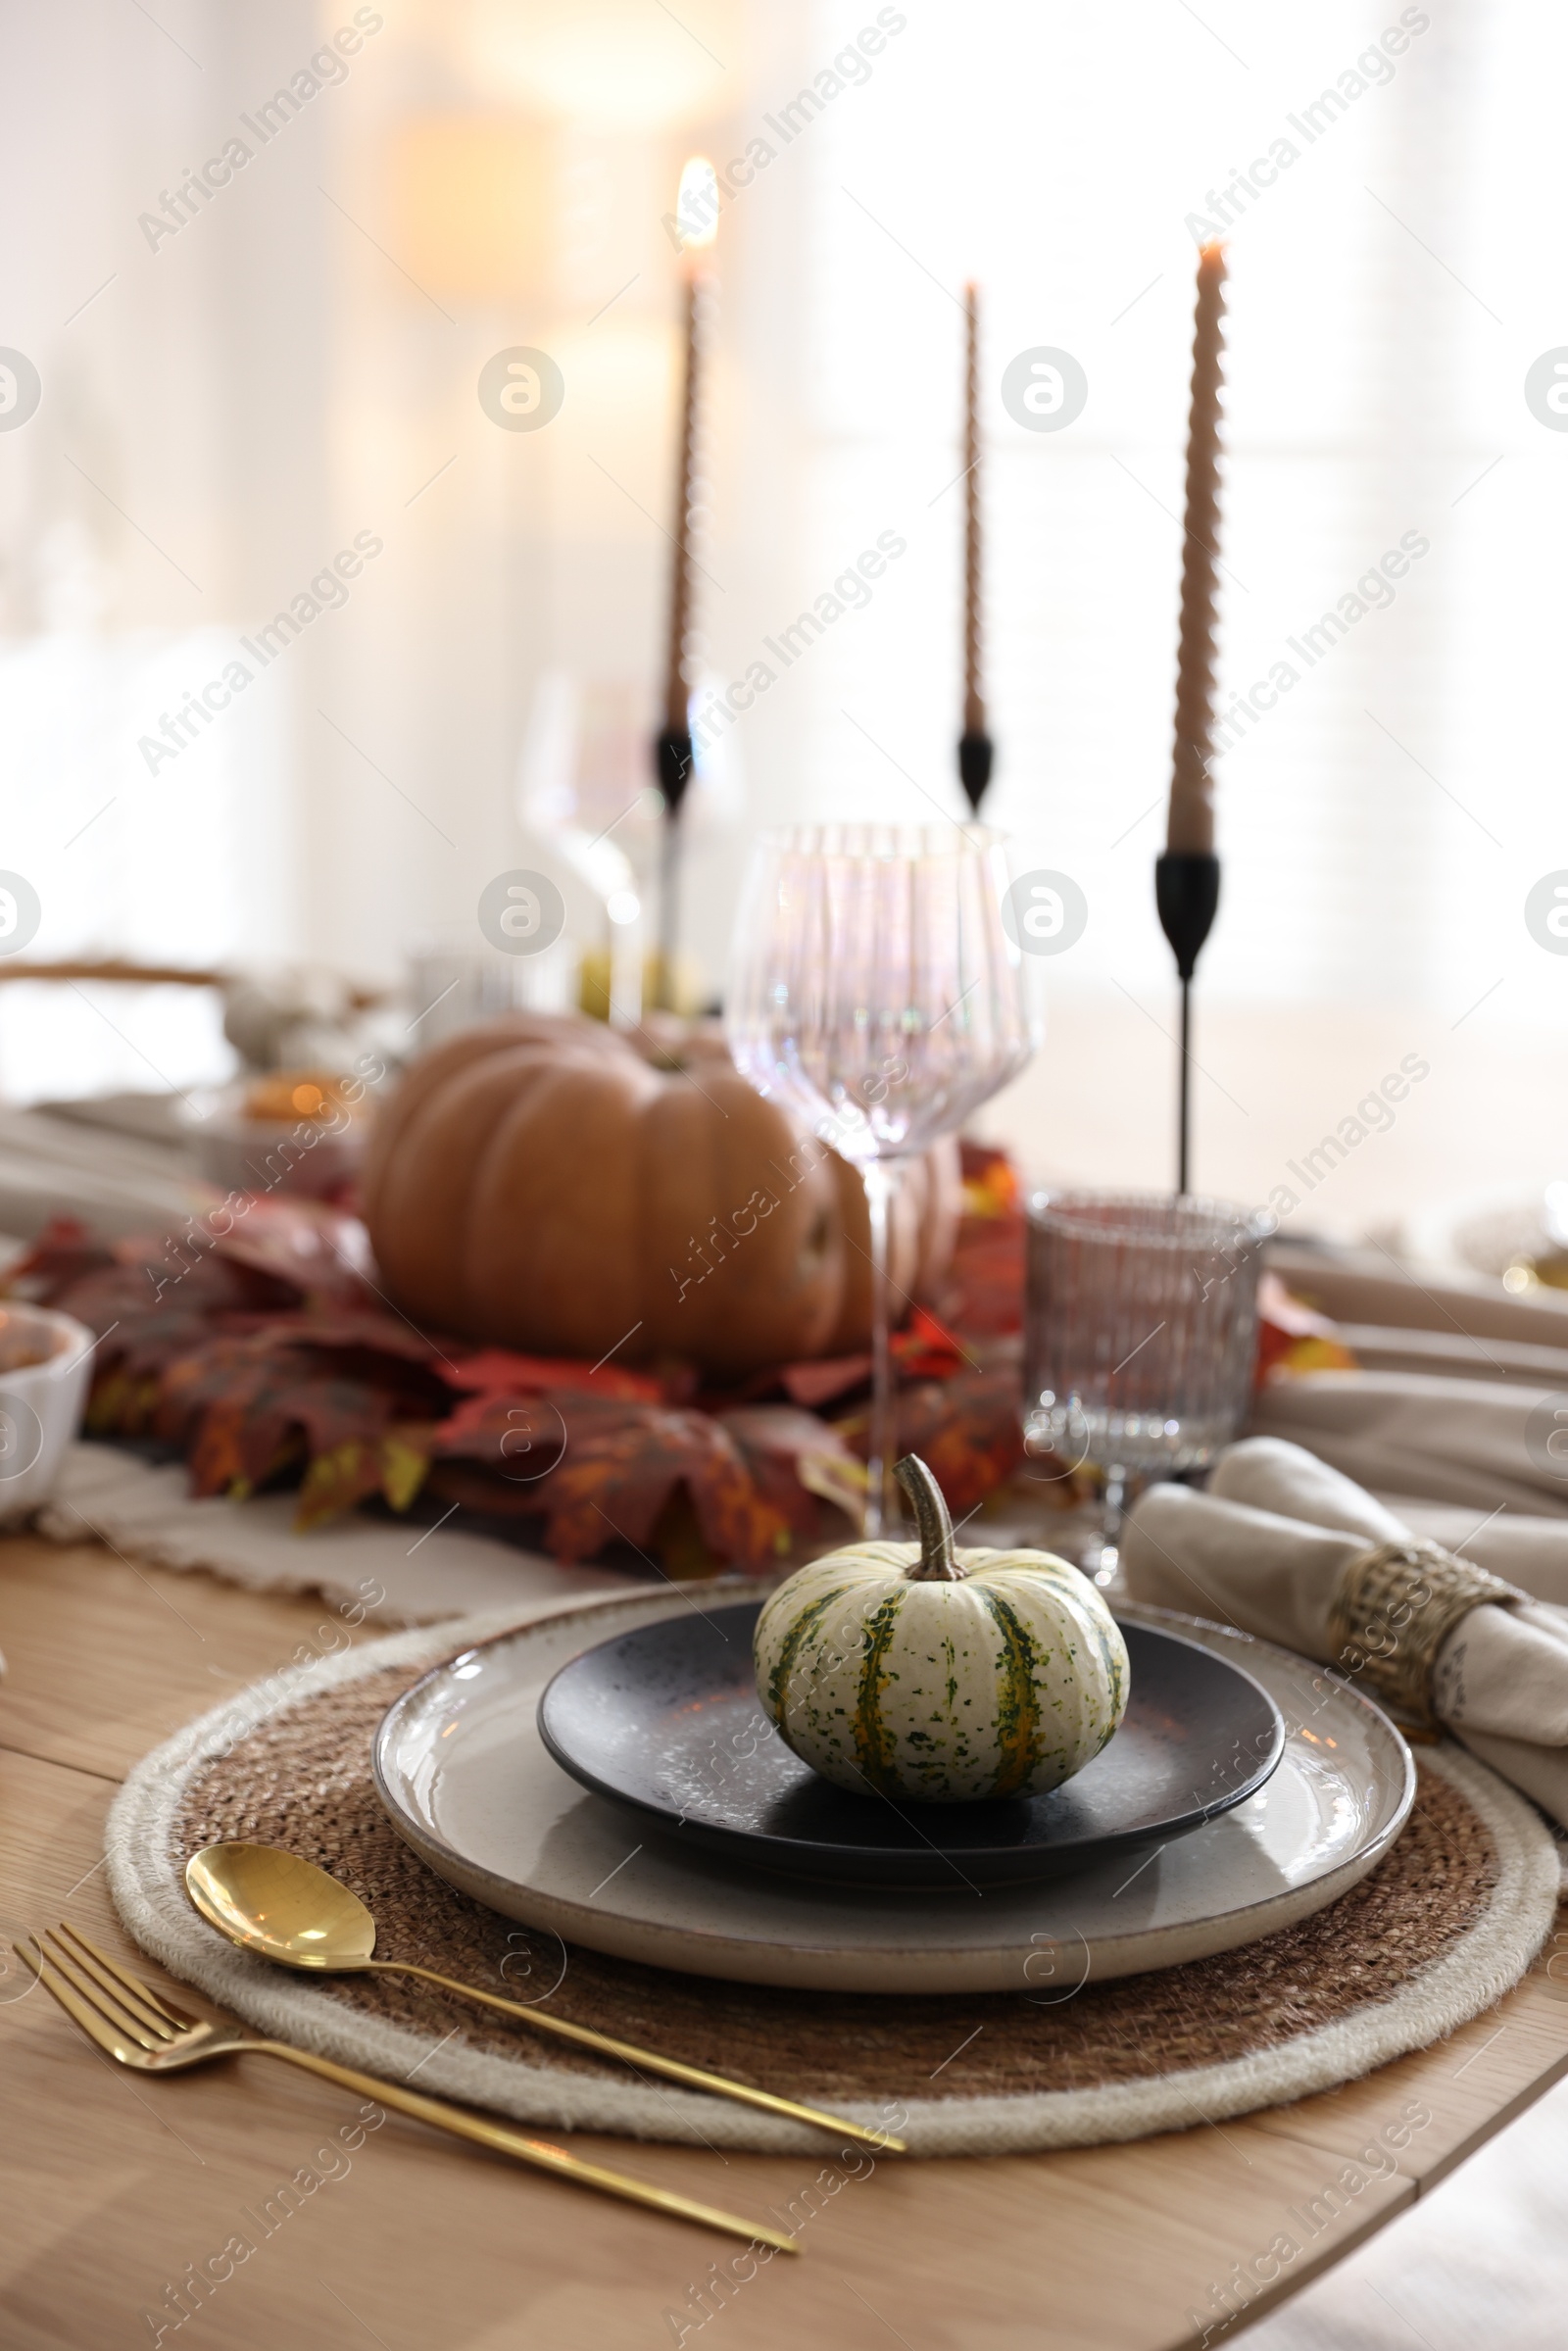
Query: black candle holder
975	755
1187	896
673	756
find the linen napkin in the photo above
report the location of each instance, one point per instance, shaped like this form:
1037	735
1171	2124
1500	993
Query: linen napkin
1264	1548
1478	1442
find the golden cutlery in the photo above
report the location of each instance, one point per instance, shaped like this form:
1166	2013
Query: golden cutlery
268	1900
139	2028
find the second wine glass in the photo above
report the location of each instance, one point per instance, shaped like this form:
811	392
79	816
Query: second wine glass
876	991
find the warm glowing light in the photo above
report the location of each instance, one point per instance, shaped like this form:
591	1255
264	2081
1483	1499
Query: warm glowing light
471	197
696	205
611	63
622	905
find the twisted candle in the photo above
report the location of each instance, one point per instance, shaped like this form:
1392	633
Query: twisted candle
680	587
974	709
1192	790
974	744
673	751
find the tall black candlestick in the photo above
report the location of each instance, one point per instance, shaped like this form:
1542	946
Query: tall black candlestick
1186	894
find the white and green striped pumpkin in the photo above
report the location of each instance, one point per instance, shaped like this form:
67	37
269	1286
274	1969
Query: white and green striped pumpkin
946	1676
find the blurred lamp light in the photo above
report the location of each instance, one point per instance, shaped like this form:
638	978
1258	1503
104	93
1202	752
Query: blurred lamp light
471	200
615	64
624	906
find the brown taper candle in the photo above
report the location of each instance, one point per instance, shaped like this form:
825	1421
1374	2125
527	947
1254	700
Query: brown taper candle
974	707
680	589
1192	789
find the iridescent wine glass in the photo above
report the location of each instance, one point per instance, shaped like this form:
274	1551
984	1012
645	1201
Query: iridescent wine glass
875	993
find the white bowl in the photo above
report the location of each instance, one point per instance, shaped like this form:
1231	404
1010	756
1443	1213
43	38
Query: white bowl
42	1401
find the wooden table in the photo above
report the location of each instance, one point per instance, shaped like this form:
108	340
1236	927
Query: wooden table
113	2187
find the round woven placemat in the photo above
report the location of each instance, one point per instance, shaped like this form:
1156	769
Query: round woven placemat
1450	1920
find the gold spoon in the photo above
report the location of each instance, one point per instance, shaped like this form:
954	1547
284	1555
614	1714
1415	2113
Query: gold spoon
270	1901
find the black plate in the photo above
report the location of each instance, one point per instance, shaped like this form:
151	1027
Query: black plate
665	1722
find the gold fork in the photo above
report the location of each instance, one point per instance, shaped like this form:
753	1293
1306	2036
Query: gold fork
139	2028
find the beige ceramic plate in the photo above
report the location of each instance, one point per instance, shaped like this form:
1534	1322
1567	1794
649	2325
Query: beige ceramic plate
466	1779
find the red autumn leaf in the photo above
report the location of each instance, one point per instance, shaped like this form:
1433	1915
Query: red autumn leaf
131	1293
137	1355
822	1382
518	1436
623	1465
393	1465
336	1480
271	1411
496	1370
61	1254
967	1429
346	1474
774	1439
477	1490
226	1406
982	1294
243	1407
320	1252
991	1185
365	1333
924	1351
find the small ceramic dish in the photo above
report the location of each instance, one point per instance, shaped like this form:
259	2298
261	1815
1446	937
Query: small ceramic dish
45	1371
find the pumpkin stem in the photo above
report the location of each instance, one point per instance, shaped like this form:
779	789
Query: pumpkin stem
936	1563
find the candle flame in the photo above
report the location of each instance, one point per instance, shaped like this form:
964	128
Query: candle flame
696	205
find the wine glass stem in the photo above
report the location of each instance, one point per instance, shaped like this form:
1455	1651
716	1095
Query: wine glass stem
1114	1509
881	1181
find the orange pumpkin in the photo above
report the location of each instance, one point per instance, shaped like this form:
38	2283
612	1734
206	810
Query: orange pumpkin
538	1184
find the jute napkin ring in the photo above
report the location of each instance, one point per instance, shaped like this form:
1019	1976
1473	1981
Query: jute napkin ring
1392	1609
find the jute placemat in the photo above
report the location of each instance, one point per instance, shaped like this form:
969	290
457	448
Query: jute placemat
1449	1922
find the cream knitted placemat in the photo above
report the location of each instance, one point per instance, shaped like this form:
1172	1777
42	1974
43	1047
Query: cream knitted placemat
1446	1924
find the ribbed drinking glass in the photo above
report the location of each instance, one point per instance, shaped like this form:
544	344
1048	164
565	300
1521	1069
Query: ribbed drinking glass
1140	1335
